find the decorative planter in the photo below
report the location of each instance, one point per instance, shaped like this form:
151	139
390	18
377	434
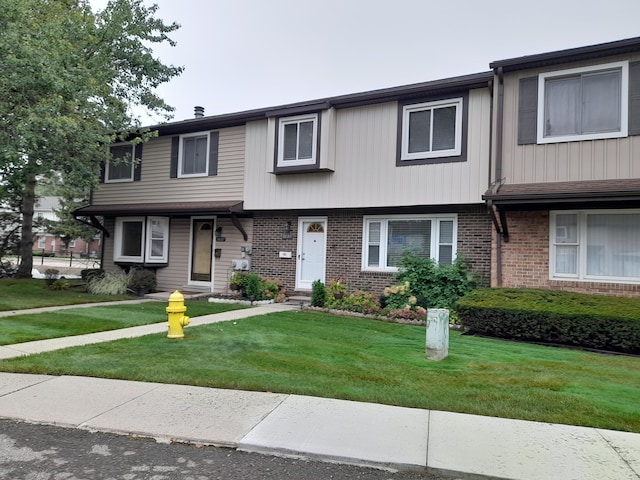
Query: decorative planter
338	295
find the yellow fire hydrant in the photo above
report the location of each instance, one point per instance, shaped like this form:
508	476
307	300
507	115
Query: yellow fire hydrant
175	312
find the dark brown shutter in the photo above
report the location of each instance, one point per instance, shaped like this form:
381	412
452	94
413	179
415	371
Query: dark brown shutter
634	98
102	172
137	166
213	153
528	111
175	144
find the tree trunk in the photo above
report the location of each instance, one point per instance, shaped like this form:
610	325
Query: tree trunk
26	237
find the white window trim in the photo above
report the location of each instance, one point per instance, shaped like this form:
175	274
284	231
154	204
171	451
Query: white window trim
384	239
107	167
164	258
408	109
145	256
297	119
181	153
624	102
581	274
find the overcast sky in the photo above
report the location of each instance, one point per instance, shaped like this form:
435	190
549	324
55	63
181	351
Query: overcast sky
245	54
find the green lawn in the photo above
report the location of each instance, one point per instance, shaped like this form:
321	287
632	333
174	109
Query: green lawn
319	354
18	294
78	321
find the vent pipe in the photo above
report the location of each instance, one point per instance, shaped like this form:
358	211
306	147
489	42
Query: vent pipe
198	112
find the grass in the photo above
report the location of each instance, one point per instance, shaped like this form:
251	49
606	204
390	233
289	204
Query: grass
319	354
20	294
78	321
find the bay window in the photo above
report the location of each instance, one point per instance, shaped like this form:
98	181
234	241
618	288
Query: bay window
386	239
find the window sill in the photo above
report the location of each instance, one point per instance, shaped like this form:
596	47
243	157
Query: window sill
301	169
128	265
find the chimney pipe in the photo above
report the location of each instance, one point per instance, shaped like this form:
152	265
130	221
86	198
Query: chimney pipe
198	112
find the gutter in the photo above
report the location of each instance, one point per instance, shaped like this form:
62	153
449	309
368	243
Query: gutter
498	177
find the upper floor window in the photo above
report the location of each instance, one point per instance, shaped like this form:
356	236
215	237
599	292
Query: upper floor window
194	155
431	130
386	239
583	103
120	167
596	245
297	140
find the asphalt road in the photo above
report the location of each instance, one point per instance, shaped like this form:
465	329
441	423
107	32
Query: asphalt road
42	452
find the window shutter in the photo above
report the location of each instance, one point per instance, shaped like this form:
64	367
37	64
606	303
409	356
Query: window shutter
175	144
634	98
137	166
102	172
528	111
213	153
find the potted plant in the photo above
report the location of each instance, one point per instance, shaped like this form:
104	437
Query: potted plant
237	281
142	281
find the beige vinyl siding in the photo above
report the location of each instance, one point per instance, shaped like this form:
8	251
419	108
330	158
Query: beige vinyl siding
617	158
230	249
107	252
175	276
155	185
365	173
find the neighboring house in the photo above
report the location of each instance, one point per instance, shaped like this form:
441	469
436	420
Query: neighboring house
566	193
45	209
336	188
177	208
340	188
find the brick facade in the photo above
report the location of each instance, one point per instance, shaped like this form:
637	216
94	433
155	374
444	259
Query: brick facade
525	259
344	248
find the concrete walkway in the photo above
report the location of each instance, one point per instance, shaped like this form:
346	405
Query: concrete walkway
468	446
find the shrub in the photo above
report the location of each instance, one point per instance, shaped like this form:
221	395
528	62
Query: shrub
591	321
318	293
142	279
111	283
50	275
89	273
60	284
434	285
252	286
359	301
334	292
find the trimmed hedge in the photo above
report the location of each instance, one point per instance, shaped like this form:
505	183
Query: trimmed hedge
590	321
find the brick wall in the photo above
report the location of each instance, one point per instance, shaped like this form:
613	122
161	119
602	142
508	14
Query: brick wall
344	248
525	259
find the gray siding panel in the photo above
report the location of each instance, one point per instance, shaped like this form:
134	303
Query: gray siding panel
615	158
365	172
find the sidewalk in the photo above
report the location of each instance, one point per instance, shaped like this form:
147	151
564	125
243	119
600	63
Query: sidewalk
336	430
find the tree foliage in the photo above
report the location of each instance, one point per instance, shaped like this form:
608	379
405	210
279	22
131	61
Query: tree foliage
70	79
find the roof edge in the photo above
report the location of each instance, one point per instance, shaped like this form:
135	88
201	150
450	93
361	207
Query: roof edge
571	54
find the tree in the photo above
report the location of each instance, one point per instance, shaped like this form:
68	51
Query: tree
70	80
67	227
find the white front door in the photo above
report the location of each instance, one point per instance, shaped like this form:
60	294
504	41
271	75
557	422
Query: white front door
312	247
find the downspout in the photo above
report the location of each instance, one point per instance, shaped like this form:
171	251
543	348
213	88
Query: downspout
498	177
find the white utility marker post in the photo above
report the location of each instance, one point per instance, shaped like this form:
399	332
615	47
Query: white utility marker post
437	333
